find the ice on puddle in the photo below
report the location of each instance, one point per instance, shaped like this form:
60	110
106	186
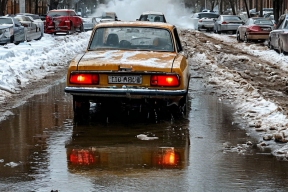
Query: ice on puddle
145	137
11	164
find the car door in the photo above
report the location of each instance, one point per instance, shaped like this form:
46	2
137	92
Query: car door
274	35
19	32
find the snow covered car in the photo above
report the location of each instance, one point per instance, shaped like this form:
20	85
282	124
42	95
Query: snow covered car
11	31
130	62
32	30
153	16
278	38
64	21
89	23
205	20
36	19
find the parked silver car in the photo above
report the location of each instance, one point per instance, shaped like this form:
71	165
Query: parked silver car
205	20
32	30
36	19
89	23
278	38
227	23
11	31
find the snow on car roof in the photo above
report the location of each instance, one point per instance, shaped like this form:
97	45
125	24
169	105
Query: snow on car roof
152	12
135	24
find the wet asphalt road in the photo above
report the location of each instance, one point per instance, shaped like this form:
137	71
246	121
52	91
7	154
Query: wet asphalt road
42	149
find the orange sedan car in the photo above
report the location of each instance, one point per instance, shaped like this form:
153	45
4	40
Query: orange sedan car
135	63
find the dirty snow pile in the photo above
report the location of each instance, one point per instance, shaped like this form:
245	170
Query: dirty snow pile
263	117
30	61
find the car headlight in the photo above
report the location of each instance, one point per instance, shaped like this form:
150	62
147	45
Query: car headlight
7	32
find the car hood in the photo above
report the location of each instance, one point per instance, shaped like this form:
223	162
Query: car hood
4	26
132	60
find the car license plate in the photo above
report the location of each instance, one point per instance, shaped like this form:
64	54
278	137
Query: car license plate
131	79
266	29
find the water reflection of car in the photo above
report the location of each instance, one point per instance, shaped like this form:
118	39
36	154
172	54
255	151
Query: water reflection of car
138	63
32	30
154	16
205	20
227	23
11	31
89	23
278	38
256	29
97	148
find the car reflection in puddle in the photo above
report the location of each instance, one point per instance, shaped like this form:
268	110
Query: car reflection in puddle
137	146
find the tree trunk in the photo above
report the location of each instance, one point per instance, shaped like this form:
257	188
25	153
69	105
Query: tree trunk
277	7
247	9
53	4
232	6
36	7
3	4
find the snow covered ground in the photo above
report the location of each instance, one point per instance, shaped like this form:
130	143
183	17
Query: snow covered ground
31	61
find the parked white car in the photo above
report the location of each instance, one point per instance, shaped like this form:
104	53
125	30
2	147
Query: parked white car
36	19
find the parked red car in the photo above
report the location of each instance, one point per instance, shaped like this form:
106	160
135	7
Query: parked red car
63	21
255	28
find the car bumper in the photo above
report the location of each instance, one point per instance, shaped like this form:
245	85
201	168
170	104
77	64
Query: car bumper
206	26
229	27
60	29
88	26
125	92
258	36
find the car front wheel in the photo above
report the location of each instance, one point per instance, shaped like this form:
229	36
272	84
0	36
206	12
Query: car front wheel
238	36
280	48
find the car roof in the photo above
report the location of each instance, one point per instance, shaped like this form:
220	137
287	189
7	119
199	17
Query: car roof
136	24
152	12
212	13
61	10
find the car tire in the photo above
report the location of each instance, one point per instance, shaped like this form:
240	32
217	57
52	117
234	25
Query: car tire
270	46
280	48
12	39
217	29
238	37
246	38
81	106
72	28
183	106
82	28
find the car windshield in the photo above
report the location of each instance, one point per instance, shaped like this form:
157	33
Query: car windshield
6	21
263	22
152	17
58	13
34	16
207	15
133	38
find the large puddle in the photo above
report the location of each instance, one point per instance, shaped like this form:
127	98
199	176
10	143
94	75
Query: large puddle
41	149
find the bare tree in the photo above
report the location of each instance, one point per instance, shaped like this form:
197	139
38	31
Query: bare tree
277	7
3	4
53	4
247	9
